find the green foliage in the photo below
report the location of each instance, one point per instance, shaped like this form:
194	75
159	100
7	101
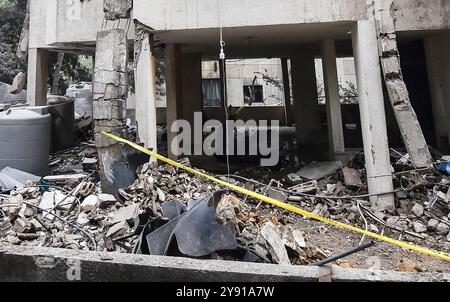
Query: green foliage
74	69
12	14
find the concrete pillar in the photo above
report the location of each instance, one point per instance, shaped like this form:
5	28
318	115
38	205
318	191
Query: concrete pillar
373	119
438	64
287	90
145	88
37	76
191	78
109	106
334	114
306	107
173	92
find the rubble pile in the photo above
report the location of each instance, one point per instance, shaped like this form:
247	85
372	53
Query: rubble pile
165	208
75	160
79	216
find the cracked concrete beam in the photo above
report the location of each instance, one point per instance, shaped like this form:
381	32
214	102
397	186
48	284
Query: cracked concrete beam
410	129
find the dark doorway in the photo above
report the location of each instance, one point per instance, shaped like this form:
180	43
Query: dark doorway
415	74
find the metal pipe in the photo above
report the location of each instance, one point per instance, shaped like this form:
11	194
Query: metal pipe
345	254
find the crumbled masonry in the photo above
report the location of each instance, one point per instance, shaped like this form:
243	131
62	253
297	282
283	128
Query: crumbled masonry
264	234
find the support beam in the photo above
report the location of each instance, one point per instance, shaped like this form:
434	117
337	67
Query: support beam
407	120
191	77
173	93
334	114
373	118
145	83
306	105
37	76
109	106
287	91
438	64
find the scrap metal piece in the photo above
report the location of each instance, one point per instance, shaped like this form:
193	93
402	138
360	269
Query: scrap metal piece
197	233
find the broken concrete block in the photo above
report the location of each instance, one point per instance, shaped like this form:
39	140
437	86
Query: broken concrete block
102	110
37	226
276	245
106	200
432	225
442	229
391	66
319	170
388	46
128	214
111	52
117	9
13	240
118	230
83	218
161	195
22	225
417	210
419	227
351	177
19	82
385	22
89	203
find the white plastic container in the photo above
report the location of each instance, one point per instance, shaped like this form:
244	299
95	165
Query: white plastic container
82	94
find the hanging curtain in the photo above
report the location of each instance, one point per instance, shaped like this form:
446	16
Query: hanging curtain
211	92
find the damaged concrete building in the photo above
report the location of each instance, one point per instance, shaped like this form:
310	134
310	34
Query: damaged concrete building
183	34
397	50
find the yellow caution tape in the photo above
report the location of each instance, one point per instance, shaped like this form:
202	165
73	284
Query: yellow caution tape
286	206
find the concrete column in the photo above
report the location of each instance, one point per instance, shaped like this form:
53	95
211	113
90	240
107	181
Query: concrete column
37	76
109	106
191	78
145	84
373	118
306	105
438	64
173	92
334	114
287	90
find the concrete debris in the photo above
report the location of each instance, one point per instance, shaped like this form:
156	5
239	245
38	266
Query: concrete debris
442	229
89	204
125	214
432	225
409	266
352	177
118	229
117	9
319	170
276	245
106	200
165	208
419	227
418	210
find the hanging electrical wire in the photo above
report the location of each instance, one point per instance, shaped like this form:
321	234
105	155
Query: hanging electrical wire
222	60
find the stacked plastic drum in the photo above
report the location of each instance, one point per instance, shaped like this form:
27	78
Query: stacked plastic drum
82	94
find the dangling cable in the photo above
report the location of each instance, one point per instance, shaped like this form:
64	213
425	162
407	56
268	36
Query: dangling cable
222	60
